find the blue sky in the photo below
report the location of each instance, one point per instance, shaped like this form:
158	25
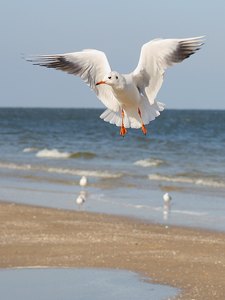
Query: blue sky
119	28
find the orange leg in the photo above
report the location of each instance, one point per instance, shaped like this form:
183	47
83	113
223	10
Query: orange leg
143	128
123	130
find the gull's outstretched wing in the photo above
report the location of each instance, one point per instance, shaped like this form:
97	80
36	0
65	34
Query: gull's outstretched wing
156	56
90	64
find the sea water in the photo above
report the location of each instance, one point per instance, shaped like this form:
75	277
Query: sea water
79	284
44	152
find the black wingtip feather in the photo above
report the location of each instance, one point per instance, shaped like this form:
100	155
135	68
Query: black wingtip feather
58	62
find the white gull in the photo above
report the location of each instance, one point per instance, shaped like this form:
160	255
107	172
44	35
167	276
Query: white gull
167	198
130	98
81	198
83	181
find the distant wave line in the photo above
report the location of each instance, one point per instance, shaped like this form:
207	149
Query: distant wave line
30	149
149	162
92	173
53	153
182	179
56	154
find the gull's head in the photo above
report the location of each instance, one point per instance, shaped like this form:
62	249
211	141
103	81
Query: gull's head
114	79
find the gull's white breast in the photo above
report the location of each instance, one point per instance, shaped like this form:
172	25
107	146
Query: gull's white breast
128	95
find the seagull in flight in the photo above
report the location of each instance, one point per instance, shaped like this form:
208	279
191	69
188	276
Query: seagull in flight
130	99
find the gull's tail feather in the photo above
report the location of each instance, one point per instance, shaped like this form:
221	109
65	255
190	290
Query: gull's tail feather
150	111
131	118
112	117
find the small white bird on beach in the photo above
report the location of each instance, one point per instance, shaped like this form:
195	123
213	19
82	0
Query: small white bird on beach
130	98
81	198
166	206
83	181
167	198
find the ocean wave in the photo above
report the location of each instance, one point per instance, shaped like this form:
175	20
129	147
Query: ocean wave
30	149
185	179
83	154
149	162
13	166
90	173
75	172
55	153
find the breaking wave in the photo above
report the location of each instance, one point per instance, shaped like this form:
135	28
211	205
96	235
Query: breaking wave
77	172
212	182
13	166
30	149
54	153
90	173
149	162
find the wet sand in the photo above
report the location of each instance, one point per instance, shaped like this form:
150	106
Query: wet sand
192	260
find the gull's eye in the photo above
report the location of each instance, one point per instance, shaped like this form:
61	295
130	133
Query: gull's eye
109	77
116	77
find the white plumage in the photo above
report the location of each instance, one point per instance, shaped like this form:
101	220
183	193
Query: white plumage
130	98
167	198
83	181
81	198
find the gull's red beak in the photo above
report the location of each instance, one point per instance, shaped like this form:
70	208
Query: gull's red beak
100	82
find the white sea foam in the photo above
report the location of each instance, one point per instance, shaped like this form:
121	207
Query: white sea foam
188	212
89	173
56	154
183	179
75	172
53	153
13	166
30	149
149	162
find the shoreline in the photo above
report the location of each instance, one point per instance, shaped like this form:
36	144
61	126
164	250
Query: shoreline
192	260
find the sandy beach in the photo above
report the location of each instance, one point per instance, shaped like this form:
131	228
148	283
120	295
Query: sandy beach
189	259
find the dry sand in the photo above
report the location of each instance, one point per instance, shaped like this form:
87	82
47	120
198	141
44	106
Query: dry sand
189	259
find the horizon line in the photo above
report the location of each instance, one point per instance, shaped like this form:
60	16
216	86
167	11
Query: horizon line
97	108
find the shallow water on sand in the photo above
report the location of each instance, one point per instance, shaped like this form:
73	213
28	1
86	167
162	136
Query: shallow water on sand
80	284
186	209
